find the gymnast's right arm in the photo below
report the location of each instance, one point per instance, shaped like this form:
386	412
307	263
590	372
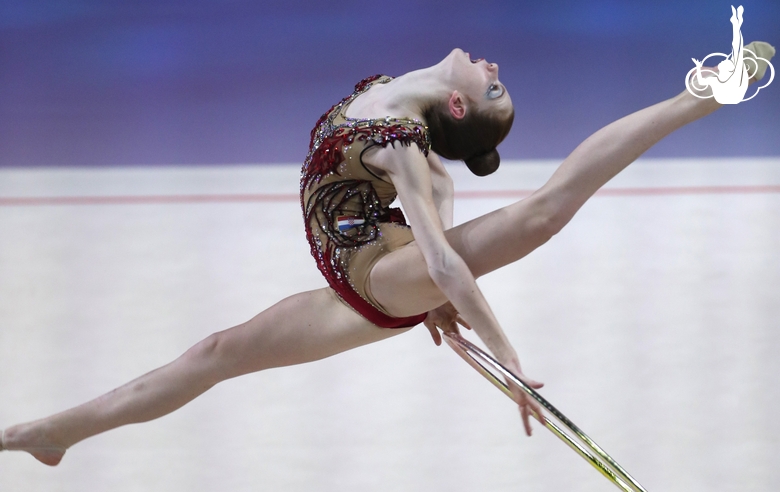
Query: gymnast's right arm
443	190
409	171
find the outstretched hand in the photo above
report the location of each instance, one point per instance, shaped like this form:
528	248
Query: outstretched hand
446	319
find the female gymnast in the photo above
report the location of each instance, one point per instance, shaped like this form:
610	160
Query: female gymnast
384	140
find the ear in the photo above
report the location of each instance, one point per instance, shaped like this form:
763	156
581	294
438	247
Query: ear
457	105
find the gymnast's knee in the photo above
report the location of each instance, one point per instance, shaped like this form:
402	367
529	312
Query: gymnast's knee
549	216
212	357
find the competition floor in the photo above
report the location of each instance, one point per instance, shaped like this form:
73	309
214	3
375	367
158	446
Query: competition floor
652	319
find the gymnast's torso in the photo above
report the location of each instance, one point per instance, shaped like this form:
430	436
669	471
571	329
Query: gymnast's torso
346	207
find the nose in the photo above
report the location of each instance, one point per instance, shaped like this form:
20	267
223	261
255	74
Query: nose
493	67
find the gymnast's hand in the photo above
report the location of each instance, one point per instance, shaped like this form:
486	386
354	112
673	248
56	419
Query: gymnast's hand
528	406
446	318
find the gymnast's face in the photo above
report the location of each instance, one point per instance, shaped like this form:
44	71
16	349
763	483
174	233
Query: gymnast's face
476	85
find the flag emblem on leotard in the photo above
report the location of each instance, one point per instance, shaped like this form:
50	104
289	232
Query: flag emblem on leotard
346	222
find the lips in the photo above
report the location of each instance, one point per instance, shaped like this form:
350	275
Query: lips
477	60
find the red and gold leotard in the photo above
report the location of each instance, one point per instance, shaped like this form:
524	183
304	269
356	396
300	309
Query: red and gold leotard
346	208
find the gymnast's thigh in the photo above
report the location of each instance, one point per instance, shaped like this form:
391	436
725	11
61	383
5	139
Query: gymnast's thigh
400	281
301	328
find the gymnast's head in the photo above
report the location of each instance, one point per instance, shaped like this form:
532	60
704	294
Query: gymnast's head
476	115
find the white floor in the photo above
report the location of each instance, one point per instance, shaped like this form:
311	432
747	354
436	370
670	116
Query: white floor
652	318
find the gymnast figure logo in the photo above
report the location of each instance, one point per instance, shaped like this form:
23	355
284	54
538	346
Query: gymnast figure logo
730	82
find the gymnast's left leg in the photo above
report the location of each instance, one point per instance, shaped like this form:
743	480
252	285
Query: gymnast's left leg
302	328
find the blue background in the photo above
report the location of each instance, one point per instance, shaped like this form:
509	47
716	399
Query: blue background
194	82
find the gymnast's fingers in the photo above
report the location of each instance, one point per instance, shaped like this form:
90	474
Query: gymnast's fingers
524	412
537	410
528	406
462	322
533	384
532	404
433	331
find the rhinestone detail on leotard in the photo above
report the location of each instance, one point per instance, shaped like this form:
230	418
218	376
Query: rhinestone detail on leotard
347	211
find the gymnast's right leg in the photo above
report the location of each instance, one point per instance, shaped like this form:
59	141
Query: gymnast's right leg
302	328
400	280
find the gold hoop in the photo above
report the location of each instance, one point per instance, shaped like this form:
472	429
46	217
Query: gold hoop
579	442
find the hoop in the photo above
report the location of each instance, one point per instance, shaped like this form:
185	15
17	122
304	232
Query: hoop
579	442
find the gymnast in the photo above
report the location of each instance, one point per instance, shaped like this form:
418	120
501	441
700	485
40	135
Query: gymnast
381	142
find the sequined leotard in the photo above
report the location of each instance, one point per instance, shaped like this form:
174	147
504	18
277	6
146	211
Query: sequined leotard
349	223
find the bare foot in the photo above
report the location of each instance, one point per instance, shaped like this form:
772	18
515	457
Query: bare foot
25	437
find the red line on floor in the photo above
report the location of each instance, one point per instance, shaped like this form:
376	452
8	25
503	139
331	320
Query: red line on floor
148	199
646	191
291	197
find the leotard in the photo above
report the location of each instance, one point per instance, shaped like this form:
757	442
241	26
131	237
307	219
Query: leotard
346	208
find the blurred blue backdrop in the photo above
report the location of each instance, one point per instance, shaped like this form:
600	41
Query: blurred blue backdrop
87	82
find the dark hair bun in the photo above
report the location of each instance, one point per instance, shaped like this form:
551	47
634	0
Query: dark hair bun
472	139
484	164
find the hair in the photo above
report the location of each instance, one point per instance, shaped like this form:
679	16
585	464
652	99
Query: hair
472	139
